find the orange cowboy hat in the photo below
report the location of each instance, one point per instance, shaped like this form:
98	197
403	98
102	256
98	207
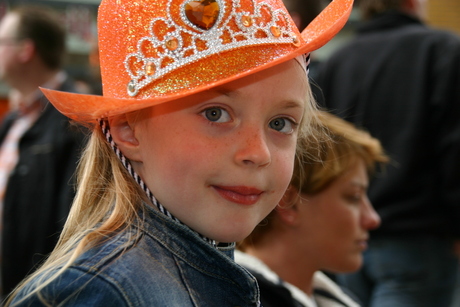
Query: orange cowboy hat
154	51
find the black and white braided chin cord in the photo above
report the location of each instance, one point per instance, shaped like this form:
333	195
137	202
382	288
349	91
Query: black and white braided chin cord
106	130
307	63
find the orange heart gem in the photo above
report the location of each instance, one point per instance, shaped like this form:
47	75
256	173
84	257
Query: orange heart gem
202	14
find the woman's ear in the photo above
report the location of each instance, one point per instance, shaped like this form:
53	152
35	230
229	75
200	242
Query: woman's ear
124	136
287	209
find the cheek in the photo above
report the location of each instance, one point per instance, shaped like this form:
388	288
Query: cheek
283	167
337	219
346	223
179	156
285	164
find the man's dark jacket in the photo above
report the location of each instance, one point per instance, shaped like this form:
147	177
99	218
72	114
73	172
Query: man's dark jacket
39	192
400	80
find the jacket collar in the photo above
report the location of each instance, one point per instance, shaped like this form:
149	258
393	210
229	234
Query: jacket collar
187	245
255	265
321	284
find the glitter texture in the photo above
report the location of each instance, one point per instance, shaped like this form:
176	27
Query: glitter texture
223	19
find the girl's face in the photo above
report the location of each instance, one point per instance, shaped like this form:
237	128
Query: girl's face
336	222
221	160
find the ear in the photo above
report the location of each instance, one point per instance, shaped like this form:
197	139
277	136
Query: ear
124	136
27	51
410	4
420	8
287	209
414	7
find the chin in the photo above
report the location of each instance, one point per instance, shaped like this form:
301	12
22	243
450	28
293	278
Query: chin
349	265
353	265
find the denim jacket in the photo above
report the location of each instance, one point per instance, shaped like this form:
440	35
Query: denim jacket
167	265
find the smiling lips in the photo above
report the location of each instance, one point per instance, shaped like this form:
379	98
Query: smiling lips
239	194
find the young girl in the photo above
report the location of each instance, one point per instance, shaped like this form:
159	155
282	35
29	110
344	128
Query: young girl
193	144
322	222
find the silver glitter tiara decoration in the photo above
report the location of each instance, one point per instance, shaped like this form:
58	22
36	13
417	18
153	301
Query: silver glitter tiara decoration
211	27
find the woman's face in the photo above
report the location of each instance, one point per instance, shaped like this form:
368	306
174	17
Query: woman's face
335	223
221	160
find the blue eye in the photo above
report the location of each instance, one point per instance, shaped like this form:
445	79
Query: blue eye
217	115
282	125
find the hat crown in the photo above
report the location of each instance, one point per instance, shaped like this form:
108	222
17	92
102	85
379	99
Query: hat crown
156	38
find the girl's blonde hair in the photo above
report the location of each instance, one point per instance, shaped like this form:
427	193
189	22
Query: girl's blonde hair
326	154
108	200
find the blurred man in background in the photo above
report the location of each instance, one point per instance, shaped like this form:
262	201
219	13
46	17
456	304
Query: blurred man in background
38	148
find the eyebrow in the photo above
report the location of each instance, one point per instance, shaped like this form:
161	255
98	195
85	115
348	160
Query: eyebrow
290	104
224	91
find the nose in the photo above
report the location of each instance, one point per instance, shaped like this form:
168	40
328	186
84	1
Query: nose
370	219
252	148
